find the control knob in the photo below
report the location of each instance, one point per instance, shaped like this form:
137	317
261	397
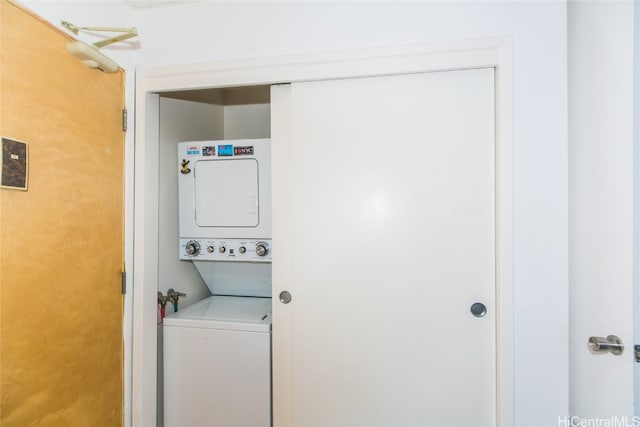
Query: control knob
222	249
242	249
261	249
192	248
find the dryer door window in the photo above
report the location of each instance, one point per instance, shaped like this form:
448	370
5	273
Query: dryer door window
226	193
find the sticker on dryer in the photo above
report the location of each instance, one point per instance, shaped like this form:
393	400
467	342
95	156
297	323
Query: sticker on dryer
209	151
243	151
225	150
193	151
184	167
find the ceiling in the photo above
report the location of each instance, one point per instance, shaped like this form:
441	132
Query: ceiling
146	4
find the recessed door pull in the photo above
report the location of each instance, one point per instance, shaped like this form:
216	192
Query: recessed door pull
285	297
611	344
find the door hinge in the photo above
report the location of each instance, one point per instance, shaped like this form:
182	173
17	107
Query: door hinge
124	120
123	284
636	352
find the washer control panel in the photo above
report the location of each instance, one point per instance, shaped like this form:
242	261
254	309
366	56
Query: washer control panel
226	250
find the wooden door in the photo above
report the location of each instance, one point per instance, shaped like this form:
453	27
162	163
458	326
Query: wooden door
384	223
61	241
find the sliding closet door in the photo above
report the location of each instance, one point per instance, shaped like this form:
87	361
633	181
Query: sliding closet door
384	224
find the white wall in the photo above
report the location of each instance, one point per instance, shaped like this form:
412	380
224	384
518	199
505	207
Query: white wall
636	138
212	31
180	121
601	184
247	121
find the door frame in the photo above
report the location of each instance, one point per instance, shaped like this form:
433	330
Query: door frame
441	56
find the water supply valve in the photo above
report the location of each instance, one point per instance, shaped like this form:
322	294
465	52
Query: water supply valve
174	296
162	304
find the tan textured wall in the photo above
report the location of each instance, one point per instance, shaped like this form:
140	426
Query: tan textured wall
61	242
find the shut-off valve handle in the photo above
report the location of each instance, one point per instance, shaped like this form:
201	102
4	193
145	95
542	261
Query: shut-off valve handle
175	297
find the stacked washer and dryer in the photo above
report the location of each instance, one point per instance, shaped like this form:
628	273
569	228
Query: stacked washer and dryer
217	352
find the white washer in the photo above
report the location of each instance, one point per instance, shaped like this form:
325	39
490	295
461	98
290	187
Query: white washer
217	363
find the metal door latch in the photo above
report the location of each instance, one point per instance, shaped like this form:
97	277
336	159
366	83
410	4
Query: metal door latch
611	344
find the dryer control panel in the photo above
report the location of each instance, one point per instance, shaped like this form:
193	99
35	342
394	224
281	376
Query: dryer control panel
226	250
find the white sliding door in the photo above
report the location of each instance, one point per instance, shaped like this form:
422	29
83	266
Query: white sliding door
385	229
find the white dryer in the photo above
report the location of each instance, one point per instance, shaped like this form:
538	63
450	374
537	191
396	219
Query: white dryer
224	205
217	356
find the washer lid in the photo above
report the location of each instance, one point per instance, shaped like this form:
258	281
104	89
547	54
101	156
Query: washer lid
225	312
